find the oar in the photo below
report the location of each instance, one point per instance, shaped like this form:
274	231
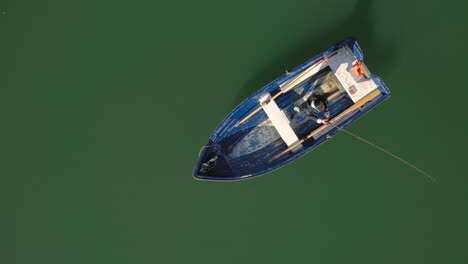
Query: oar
303	76
352	108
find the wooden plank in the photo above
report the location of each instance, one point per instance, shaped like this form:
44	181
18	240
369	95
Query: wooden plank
279	120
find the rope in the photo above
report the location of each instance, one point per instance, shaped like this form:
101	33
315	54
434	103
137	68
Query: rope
387	152
211	163
208	146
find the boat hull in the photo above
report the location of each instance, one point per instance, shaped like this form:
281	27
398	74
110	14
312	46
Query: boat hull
238	150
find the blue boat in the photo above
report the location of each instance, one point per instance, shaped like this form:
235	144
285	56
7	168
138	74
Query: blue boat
263	133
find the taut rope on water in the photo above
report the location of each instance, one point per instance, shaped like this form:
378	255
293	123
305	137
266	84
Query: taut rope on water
387	152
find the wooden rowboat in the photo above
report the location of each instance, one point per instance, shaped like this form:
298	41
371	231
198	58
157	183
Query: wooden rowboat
261	134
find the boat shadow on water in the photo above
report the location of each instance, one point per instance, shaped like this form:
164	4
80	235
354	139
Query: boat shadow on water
359	24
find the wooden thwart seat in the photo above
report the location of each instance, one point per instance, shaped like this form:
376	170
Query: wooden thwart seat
279	121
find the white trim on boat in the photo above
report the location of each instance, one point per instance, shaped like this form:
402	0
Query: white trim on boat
279	121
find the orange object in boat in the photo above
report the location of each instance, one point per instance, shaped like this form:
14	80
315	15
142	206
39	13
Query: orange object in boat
358	68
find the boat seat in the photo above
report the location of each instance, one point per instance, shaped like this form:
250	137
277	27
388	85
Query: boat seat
279	121
356	85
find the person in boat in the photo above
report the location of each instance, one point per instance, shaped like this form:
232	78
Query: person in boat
315	108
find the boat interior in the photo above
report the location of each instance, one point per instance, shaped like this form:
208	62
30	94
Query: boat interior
256	143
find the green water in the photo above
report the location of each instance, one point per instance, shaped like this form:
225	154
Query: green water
105	105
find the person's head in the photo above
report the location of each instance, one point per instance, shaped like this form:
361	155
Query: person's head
319	105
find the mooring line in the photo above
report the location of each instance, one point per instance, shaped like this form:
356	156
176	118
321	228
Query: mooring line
387	152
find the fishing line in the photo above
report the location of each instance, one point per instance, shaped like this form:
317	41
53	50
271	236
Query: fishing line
386	151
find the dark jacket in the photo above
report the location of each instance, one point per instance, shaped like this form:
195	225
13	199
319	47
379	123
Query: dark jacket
312	113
